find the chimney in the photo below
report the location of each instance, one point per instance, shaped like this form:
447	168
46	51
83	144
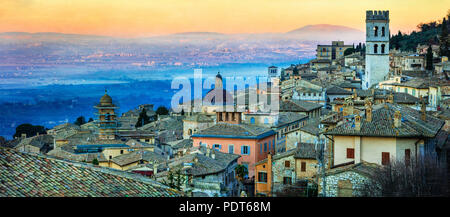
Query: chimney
368	111
155	168
357	123
390	98
397	119
423	109
207	151
213	155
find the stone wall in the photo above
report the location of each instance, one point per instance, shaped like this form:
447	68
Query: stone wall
332	183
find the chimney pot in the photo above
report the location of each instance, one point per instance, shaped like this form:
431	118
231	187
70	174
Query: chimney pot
357	123
397	119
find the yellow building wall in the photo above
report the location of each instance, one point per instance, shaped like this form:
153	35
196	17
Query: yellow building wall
372	147
311	170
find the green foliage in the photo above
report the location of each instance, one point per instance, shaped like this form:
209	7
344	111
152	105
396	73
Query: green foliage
95	161
349	51
444	42
427	34
429	58
241	171
143	118
162	110
90	120
29	129
80	121
175	180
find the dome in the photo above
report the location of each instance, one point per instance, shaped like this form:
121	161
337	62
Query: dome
106	99
219	76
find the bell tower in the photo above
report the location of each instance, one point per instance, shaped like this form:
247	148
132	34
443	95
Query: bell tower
377	48
106	121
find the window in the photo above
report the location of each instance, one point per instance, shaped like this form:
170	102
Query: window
407	156
382	48
383	31
260	148
287	164
414	92
303	166
385	158
231	149
287	180
269	145
245	149
252	120
190	132
265	147
375	48
350	153
262	177
110	157
375	29
266	121
121	151
217	147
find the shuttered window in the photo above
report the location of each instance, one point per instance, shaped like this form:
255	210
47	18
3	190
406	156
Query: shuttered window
303	166
350	153
385	158
407	156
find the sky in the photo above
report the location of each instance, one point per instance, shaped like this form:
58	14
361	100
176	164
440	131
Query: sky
137	18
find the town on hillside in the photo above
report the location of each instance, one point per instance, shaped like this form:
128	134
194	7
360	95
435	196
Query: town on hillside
365	120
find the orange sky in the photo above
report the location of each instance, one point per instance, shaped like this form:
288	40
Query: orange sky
132	18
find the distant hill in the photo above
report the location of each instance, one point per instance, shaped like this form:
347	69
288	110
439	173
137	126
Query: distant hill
328	32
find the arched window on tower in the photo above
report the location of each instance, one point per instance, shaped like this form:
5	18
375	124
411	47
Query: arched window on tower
383	30
375	48
382	48
375	29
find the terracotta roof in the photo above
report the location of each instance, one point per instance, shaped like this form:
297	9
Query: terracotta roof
205	164
26	175
199	118
298	106
289	117
335	90
382	124
225	130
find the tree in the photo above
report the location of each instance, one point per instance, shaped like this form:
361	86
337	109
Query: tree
414	178
349	51
182	112
29	129
162	110
429	58
241	172
143	118
175	180
80	121
90	120
443	48
95	161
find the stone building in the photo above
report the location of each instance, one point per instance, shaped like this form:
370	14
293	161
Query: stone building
377	48
285	169
194	123
331	52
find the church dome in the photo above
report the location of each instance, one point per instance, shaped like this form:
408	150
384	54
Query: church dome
106	100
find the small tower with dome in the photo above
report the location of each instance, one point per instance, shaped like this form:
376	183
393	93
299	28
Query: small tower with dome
106	118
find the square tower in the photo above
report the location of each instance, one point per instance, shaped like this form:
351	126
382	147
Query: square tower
377	48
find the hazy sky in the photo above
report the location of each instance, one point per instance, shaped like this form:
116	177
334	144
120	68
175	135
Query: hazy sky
131	18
